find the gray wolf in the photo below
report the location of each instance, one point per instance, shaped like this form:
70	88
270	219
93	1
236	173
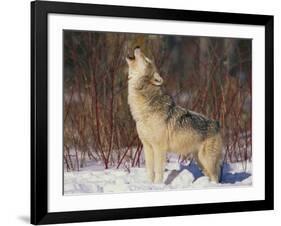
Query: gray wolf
163	126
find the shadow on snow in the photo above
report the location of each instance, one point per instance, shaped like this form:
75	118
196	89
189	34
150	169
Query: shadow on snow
226	176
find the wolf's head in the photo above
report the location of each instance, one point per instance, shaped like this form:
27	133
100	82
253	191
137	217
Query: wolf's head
142	71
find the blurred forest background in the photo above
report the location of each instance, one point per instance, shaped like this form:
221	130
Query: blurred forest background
211	76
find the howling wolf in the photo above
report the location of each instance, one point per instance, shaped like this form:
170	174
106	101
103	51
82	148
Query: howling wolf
163	126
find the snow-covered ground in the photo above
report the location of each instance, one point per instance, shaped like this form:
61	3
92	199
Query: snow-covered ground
94	179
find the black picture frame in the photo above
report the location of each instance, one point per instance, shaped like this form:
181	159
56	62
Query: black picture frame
39	112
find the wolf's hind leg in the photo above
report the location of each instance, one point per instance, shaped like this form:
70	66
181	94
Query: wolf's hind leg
195	156
149	161
209	157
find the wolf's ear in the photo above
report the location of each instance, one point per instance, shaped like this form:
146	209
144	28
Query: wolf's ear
157	79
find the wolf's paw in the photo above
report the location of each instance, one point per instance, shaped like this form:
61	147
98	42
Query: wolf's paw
158	178
214	179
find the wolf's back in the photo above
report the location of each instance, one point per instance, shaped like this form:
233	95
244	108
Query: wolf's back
195	121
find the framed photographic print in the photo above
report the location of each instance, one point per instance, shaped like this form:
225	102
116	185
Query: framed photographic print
145	112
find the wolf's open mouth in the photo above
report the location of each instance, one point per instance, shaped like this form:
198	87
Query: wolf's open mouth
130	57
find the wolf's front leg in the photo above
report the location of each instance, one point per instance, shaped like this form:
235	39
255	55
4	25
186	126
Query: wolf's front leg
159	164
149	161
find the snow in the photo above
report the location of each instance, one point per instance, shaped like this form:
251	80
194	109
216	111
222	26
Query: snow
94	179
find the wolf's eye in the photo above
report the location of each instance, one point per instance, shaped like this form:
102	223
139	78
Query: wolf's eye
147	60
